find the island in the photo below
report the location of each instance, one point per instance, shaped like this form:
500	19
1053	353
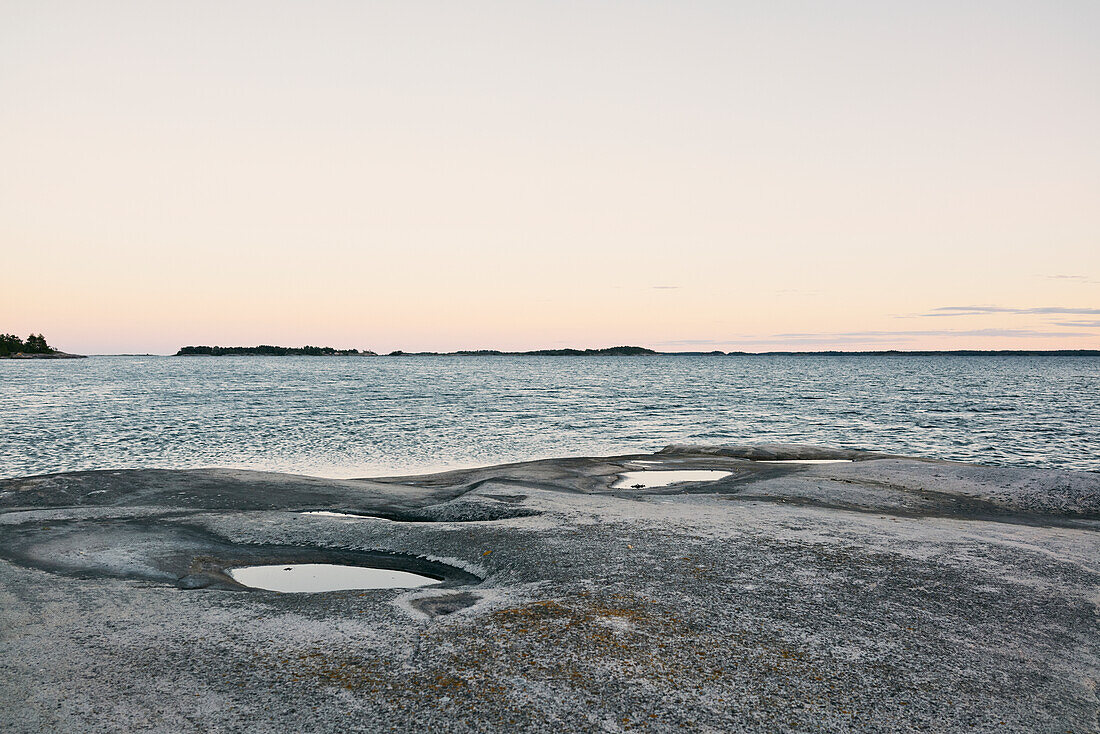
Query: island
33	347
266	350
605	352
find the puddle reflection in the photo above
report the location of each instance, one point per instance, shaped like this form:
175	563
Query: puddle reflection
314	577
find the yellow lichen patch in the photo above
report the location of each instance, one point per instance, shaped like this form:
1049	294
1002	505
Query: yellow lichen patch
574	645
345	672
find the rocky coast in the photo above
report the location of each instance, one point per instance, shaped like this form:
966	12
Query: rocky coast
804	589
46	355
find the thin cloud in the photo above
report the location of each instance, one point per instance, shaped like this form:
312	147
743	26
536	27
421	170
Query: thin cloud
874	337
651	287
773	341
984	310
1027	333
1088	323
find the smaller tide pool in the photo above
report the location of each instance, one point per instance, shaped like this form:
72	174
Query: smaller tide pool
659	478
316	577
805	461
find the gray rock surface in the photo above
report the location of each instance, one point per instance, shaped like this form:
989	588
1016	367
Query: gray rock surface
882	594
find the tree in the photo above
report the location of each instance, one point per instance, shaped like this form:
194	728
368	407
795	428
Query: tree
36	344
10	344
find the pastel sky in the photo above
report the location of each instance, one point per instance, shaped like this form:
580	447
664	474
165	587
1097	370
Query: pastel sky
441	175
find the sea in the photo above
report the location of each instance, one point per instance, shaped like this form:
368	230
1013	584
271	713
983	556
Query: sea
386	416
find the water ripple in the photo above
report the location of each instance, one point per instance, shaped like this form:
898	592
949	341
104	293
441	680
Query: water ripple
352	416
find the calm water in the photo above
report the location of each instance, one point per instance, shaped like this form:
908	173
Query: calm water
351	416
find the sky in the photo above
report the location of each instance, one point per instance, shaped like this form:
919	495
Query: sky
515	175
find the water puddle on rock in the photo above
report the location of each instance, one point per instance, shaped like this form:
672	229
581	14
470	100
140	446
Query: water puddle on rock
326	513
658	478
314	577
805	461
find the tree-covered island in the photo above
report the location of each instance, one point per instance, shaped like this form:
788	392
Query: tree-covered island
267	350
605	352
33	347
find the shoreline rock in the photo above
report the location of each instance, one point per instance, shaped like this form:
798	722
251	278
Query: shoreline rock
51	355
882	594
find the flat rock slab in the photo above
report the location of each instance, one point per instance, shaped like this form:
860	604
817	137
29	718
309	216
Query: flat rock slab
882	594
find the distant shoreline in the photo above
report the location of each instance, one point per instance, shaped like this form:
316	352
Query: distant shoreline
270	351
50	355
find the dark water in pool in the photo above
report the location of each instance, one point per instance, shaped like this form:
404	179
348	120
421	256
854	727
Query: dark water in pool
372	416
